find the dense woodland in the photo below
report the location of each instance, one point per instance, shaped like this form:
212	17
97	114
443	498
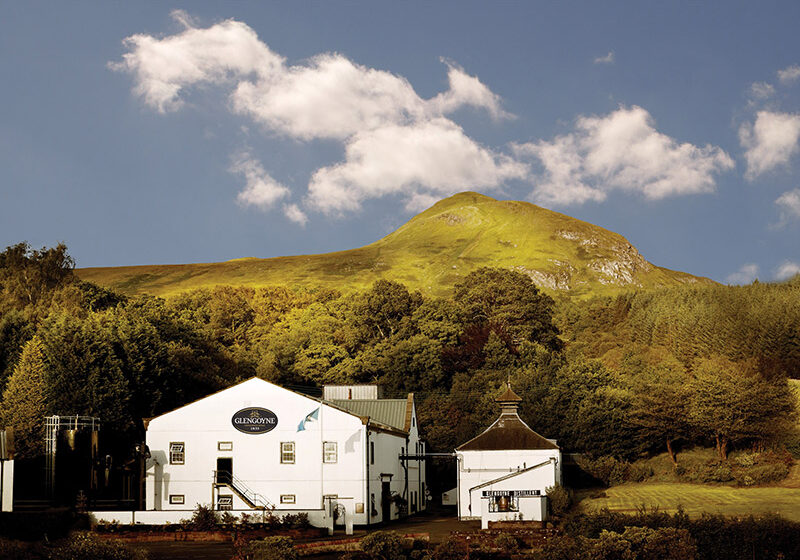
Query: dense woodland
625	376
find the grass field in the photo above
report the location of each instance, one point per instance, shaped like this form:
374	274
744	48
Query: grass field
697	499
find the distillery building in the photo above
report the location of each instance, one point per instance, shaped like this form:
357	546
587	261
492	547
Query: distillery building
257	446
504	472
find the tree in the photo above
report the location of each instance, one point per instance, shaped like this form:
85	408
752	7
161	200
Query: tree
28	276
509	299
382	309
660	406
24	401
732	402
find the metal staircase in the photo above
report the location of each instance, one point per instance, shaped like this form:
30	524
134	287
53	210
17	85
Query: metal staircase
225	479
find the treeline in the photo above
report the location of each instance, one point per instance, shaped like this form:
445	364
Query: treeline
758	322
69	347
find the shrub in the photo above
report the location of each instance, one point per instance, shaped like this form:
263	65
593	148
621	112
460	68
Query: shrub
507	543
451	549
611	471
383	545
204	518
272	548
83	546
559	499
761	474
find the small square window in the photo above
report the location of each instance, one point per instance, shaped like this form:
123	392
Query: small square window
224	446
177	455
288	499
177	499
330	453
287	452
359	507
224	502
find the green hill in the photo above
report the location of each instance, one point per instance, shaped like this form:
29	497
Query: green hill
431	252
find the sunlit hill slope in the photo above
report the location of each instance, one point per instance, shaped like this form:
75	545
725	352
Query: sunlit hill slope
431	252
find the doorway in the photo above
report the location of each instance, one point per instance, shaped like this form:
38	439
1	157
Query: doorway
386	502
224	470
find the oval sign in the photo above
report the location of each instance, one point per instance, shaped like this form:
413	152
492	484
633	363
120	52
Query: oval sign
254	420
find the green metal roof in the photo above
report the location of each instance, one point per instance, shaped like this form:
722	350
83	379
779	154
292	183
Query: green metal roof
391	412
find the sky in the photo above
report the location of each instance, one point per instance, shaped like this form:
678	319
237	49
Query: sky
157	133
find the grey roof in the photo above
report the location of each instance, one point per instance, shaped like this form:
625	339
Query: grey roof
391	412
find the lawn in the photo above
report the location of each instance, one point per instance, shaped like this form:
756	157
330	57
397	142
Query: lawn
696	499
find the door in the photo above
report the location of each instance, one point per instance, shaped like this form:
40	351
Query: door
386	502
224	470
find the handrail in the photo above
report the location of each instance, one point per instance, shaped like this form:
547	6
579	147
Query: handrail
256	499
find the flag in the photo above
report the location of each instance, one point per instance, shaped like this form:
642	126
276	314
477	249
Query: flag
310	417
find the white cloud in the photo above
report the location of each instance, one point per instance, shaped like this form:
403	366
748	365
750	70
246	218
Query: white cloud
761	90
395	141
164	67
787	270
607	59
466	90
261	189
433	157
745	275
621	151
293	212
769	142
789	74
789	204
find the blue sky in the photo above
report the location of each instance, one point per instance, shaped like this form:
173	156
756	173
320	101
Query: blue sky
146	133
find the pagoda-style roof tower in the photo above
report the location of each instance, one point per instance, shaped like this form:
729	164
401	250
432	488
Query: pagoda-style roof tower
508	431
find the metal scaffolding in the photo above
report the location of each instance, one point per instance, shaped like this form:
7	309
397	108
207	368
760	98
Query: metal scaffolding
54	425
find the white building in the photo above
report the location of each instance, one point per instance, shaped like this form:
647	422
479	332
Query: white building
257	445
503	472
6	470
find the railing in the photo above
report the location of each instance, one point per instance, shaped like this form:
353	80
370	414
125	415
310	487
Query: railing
254	499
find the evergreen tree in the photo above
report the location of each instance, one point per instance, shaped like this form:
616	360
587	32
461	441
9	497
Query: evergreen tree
24	401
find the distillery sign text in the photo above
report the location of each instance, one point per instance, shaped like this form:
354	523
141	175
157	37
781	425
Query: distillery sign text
254	420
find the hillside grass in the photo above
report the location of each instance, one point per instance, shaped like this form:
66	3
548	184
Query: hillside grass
430	253
695	499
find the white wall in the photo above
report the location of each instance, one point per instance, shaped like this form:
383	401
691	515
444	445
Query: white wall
316	517
477	467
7	484
256	457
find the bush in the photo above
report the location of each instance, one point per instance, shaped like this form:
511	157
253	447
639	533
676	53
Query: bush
83	546
559	499
383	545
204	518
611	471
762	474
272	548
715	536
507	543
451	549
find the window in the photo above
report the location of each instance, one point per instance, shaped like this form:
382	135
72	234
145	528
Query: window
372	453
287	452
330	452
224	446
177	499
288	498
224	502
177	456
